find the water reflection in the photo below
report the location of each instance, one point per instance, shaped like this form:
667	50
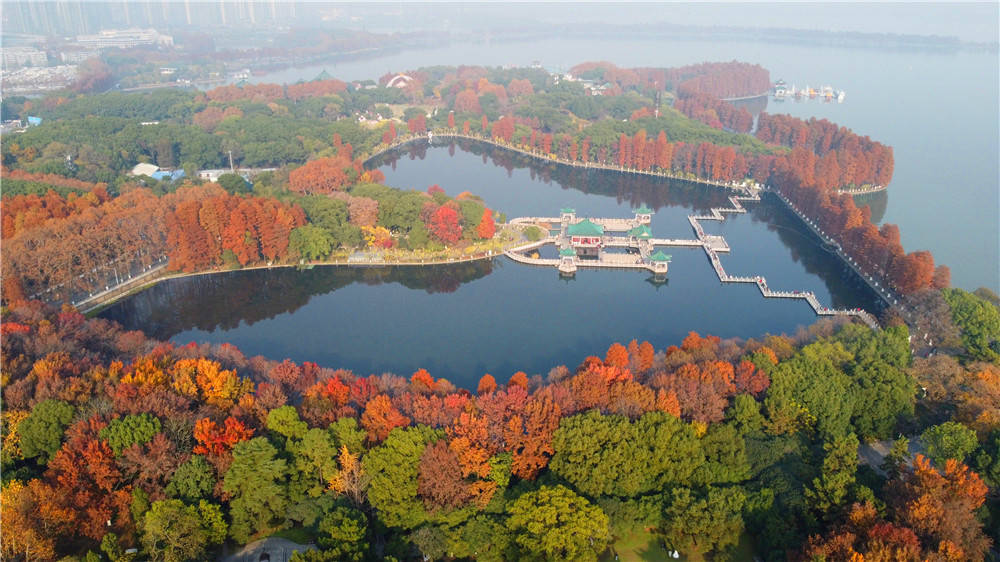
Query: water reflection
878	202
633	190
227	300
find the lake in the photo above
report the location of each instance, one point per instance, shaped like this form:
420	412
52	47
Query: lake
938	110
461	321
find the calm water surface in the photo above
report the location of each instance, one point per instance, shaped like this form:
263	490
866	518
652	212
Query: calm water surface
938	110
499	317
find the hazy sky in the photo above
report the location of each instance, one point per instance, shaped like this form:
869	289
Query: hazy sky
969	21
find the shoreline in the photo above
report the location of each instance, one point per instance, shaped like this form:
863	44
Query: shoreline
98	303
881	292
446	133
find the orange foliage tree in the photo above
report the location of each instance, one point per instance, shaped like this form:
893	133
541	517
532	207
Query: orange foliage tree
380	417
486	228
215	440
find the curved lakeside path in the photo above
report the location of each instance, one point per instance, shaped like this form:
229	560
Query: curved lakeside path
157	274
448	134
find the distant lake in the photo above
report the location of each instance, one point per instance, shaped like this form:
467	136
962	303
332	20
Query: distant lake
938	110
461	321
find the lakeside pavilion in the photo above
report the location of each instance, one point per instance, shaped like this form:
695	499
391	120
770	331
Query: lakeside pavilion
586	237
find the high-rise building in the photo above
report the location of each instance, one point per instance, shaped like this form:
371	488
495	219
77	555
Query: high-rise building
81	17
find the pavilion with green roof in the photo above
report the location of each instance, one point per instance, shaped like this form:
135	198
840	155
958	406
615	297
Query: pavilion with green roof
586	227
660	261
644	214
586	237
641	232
567	261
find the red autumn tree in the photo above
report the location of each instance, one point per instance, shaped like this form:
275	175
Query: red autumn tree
215	440
547	143
913	272
390	134
422	382
417	125
520	87
617	356
444	225
487	384
451	119
646	356
467	102
750	380
942	277
89	482
666	401
380	417
941	507
439	478
520	379
323	175
486	228
529	436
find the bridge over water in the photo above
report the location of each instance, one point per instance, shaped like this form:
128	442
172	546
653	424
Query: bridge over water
630	234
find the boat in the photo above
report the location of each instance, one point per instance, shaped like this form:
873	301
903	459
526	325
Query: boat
782	92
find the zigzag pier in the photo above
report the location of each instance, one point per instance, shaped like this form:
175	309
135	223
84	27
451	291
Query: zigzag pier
583	243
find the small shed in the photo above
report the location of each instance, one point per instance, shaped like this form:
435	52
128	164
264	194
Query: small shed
144	169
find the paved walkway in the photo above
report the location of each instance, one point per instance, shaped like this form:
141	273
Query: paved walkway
273	549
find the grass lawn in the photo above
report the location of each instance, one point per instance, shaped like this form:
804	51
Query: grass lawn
295	534
636	547
641	546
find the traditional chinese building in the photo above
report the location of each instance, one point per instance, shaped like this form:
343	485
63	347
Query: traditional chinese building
660	261
567	260
586	237
644	215
640	233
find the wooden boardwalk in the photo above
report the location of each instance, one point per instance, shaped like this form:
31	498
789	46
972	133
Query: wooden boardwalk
712	244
